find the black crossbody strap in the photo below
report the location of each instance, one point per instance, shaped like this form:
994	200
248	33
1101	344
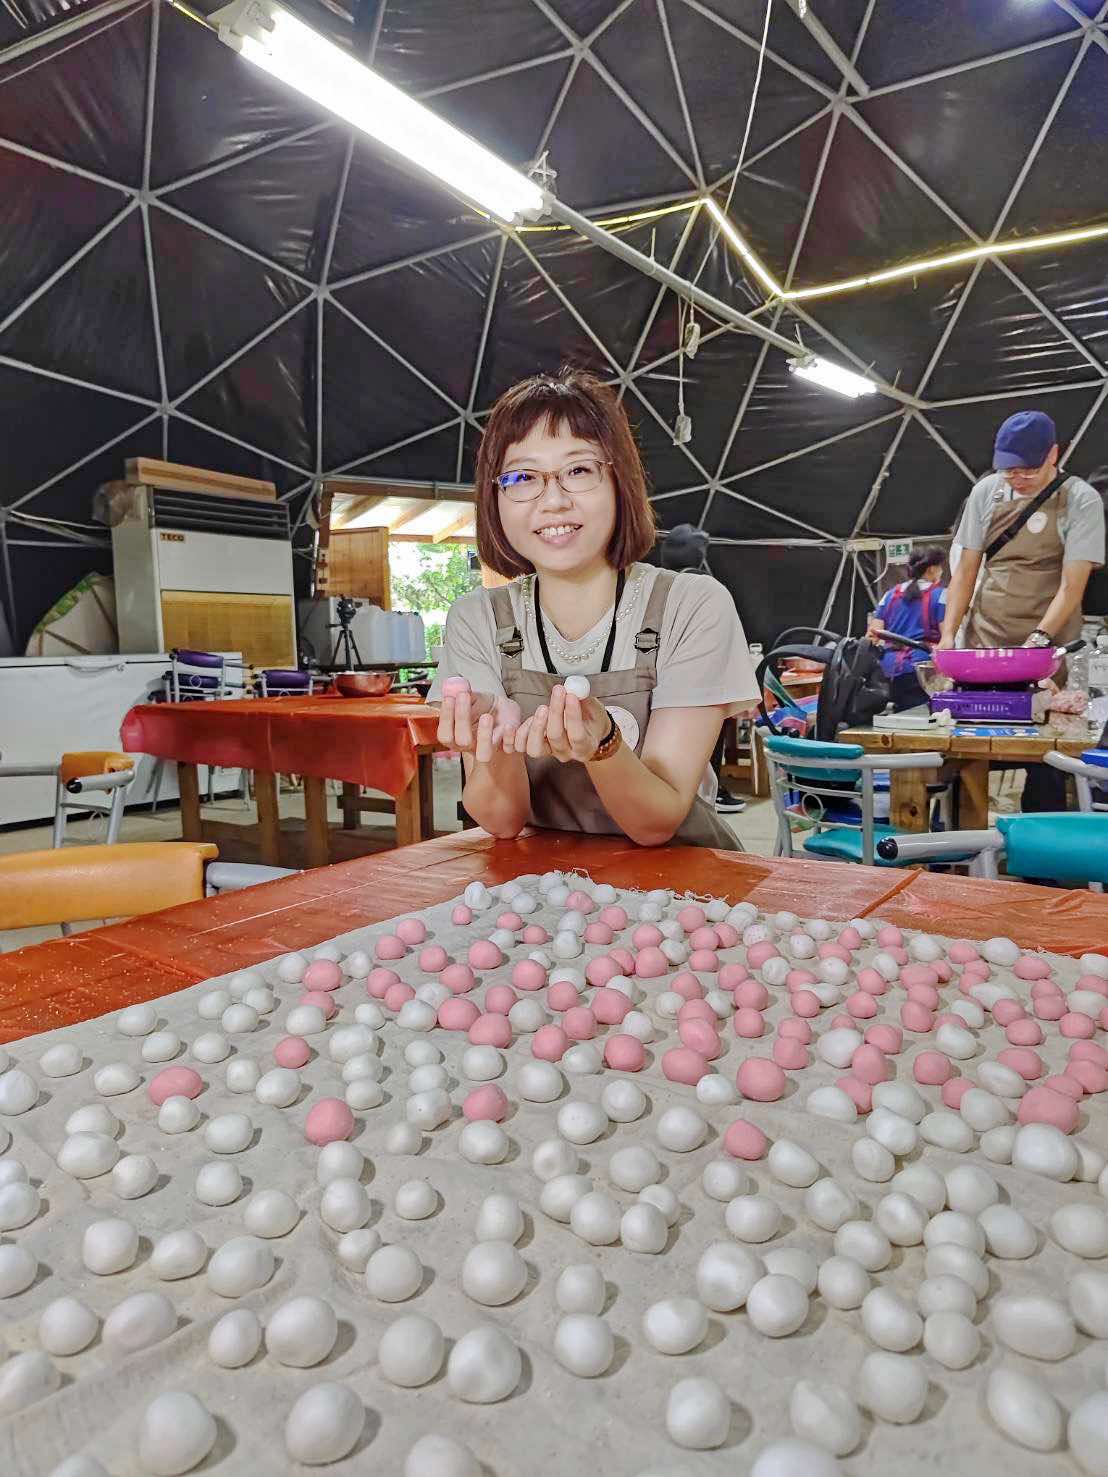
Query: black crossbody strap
1005	538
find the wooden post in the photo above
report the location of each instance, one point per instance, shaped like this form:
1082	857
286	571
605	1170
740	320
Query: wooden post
351	809
426	779
973	796
269	818
315	815
408	824
188	787
908	800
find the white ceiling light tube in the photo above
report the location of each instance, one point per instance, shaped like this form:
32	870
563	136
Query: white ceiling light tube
832	376
286	48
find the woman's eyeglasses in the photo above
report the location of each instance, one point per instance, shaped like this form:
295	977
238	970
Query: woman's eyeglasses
525	483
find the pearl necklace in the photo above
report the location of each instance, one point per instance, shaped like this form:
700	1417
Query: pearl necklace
579	656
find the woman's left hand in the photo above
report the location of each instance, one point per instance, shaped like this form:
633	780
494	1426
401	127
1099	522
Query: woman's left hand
565	729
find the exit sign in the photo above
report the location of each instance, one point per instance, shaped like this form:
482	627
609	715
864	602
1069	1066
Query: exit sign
898	552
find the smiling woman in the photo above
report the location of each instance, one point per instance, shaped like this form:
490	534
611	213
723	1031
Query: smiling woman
562	508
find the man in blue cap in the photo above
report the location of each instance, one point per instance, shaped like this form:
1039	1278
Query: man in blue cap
1039	534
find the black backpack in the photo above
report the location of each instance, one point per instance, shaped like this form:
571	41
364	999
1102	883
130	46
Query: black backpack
853	691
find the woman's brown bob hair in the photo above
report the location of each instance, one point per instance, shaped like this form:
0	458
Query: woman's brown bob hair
591	411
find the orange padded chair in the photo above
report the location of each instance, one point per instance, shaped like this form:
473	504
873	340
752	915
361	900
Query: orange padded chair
87	883
76	775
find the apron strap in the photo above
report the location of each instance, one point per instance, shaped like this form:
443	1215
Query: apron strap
508	638
649	636
1011	528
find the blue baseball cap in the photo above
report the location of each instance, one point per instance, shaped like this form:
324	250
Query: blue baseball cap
1024	440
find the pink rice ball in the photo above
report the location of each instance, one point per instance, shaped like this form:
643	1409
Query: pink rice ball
859	1093
761	1080
704	938
887	1038
682	1064
889	937
1091	1077
751	994
624	1053
624	959
485	955
411	931
1045	987
1031	967
322	974
687	986
534	934
697	1010
1088	1051
579	1023
491	1030
850	939
799	979
580	902
610	1006
943	970
932	1068
379	981
869	1064
691	918
389	947
900	955
174	1082
651	964
549	1044
872	982
1049	1007
292	1051
1074	1023
954	1090
397	996
728	937
563	996
1007	1011
790	1053
328	1121
806	1004
1068	1086
509	921
500	998
705	960
757	954
1024	1032
603	968
732	975
979	967
743	1140
613	917
458	978
842	1023
1092	982
1044	1105
323	998
861	1006
528	974
458	1013
462	916
702	1038
963	952
647	936
486	1103
1021	1059
599	933
916	1017
433	959
918	974
749	1023
797	1029
829	950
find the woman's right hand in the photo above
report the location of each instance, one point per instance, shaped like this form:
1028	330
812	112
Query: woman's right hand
478	723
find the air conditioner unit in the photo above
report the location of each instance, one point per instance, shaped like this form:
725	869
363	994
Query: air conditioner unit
207	573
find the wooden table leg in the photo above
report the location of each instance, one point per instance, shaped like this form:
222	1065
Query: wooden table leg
408	825
188	787
315	814
426	780
973	795
351	810
908	800
269	819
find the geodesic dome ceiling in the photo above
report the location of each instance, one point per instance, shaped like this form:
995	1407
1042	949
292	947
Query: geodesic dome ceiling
196	263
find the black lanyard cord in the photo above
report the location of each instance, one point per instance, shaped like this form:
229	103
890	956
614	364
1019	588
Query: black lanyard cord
610	644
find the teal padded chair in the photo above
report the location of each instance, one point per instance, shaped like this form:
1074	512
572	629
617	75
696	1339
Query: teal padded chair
806	775
1068	846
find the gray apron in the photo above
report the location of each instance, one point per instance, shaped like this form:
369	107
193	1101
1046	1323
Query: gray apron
563	797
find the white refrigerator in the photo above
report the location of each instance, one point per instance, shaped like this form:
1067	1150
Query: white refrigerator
52	704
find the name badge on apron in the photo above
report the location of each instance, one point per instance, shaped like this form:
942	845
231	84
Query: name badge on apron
1037	522
627	724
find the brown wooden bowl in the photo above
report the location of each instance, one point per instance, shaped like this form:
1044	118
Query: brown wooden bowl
363	684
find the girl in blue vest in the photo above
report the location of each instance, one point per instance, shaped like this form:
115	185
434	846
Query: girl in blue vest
914	608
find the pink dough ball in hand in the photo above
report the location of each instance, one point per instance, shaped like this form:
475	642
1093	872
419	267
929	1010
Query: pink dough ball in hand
761	1080
485	1104
791	1053
458	1013
292	1051
549	1044
491	1030
647	936
174	1082
744	1140
458	978
510	922
535	933
1044	1105
500	999
651	964
462	916
954	1090
610	1007
932	1069
453	686
700	1037
682	1064
389	947
624	1053
600	970
599	933
323	998
322	974
795	1028
749	1023
579	1023
380	981
433	959
528	974
411	931
614	917
328	1121
563	996
485	955
397	996
887	1039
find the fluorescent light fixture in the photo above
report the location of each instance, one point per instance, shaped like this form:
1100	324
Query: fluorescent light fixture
286	48
832	376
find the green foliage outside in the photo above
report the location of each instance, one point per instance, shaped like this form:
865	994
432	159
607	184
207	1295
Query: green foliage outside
428	578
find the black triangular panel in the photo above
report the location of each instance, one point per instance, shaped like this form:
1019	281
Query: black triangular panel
57	424
632	48
268	396
714	384
928	127
281	203
787	414
369	399
826	488
432	458
776	587
531	332
211	104
199	448
668	469
1066	184
685	508
895	326
389	214
506	114
425	44
970	429
87	107
925	489
868	214
628	165
956	31
65	329
583	16
421	309
1070	280
842	19
730	517
45	216
613	298
70	499
197	278
471	441
718	72
1000	338
852	603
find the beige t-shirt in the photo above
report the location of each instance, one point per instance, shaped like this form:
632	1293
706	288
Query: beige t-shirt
703	658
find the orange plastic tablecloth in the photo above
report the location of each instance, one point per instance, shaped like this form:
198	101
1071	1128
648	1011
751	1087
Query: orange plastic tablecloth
366	741
68	980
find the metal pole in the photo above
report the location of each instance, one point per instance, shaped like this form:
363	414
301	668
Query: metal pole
616	246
